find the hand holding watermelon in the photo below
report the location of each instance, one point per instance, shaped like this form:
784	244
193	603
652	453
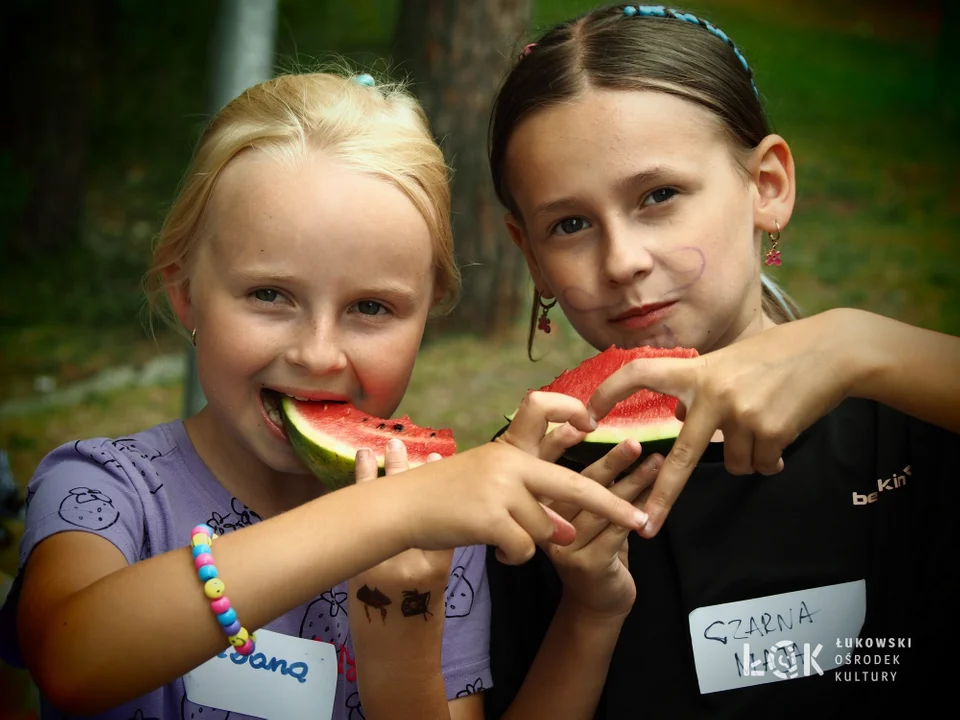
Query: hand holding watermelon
491	495
761	393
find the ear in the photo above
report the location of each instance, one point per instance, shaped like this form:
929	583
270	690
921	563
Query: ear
177	285
519	237
773	174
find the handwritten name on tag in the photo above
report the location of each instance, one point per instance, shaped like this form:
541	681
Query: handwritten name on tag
287	678
773	638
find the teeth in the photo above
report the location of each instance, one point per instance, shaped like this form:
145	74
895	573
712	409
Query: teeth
297	397
274	416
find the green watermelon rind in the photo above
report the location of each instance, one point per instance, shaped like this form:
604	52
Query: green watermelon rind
334	469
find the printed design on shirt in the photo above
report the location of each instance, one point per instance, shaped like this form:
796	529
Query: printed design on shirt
472	688
355	708
239	516
326	617
88	508
145	548
138	715
139	457
458	597
192	711
894	482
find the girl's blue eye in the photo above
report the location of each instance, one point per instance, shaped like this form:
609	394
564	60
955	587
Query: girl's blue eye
660	195
569	226
267	295
369	307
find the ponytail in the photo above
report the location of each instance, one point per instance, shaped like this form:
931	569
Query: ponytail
777	305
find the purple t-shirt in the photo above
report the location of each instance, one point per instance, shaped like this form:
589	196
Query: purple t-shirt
144	493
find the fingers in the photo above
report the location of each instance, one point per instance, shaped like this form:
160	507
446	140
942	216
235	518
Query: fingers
767	458
535	414
433	457
672	376
560	484
395	457
694	437
738	450
604	472
366	466
588	526
558	440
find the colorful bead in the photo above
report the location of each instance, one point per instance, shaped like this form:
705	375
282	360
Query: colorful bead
203	559
202	529
234	629
239	638
220	605
200	540
214	588
201	549
227	618
208	572
246	648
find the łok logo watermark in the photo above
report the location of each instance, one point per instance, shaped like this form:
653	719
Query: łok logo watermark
784	660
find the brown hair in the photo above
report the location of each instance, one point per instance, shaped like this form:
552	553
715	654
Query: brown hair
652	48
380	129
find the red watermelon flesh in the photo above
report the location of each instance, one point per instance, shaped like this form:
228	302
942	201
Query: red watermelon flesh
644	416
327	435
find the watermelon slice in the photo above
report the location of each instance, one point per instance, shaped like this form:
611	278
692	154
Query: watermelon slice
646	416
327	435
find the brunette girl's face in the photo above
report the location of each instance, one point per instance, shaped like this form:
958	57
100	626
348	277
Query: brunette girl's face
636	213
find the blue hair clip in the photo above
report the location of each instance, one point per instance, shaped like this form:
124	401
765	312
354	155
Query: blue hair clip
661	11
365	79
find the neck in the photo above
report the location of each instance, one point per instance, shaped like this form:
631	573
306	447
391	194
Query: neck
750	322
243	474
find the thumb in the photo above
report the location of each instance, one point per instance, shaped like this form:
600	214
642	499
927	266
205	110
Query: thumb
433	457
563	531
671	376
366	468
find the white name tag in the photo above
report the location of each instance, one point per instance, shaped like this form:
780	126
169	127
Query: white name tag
779	637
286	678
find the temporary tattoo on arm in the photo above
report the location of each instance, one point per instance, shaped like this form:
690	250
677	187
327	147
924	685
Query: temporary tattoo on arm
373	599
415	603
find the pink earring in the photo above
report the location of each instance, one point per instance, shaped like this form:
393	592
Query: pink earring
544	322
773	255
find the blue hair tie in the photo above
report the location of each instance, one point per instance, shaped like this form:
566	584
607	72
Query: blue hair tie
661	11
365	79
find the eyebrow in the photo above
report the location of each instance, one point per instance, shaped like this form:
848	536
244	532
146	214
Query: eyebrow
650	176
376	289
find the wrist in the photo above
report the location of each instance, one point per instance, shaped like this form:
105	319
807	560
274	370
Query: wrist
575	614
865	357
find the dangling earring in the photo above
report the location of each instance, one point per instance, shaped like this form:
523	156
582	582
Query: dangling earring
773	255
193	337
544	322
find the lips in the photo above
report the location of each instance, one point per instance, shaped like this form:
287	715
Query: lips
644	311
270	399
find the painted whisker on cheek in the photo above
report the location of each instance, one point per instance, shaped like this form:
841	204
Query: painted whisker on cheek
688	264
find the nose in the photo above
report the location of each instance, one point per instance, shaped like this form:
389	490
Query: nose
625	254
318	348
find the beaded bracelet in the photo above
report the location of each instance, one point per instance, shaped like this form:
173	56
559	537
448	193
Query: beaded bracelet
201	538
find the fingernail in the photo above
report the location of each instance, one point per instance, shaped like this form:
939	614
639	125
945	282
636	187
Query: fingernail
641	519
653	462
593	423
394	444
363	454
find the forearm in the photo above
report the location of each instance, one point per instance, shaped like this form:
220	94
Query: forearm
151	622
570	669
398	661
914	370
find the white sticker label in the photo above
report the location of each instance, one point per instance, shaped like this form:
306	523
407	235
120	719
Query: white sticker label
286	678
773	638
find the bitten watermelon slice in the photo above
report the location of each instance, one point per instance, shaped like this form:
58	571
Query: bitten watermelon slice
326	437
646	416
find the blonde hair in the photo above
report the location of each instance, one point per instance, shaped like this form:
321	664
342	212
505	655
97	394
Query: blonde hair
377	129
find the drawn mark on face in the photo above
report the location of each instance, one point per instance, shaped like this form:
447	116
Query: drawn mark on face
687	264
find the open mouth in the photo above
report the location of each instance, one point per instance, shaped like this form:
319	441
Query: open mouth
271	400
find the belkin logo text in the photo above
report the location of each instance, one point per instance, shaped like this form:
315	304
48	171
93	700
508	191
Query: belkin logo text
893	482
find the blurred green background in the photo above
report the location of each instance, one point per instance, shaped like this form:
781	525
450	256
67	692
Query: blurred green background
865	93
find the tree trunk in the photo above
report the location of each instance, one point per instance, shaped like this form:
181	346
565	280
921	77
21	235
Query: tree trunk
457	53
243	56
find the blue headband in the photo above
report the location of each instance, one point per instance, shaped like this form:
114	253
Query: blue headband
661	11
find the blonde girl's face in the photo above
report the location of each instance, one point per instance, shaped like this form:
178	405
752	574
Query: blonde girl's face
636	216
315	281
